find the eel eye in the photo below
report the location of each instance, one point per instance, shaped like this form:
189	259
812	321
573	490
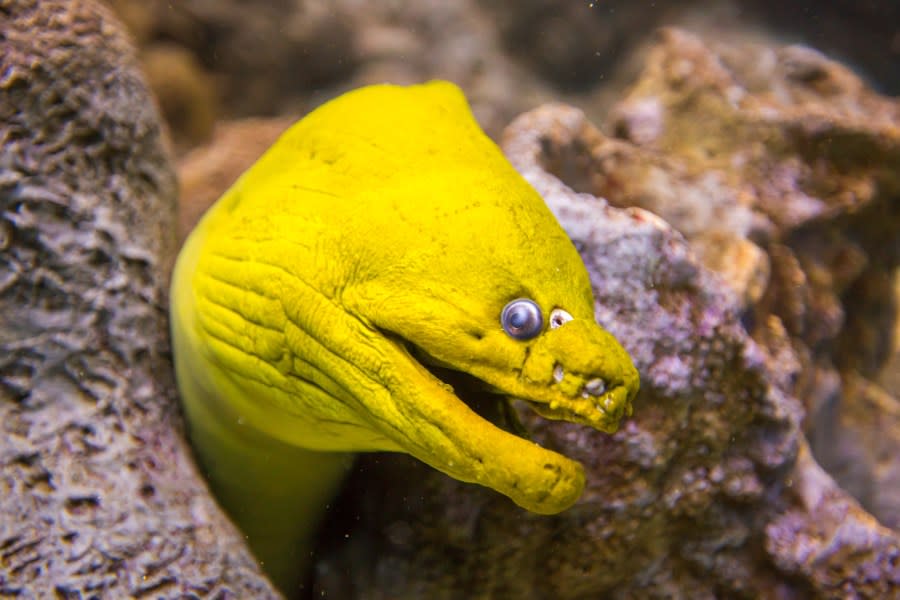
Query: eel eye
558	318
522	319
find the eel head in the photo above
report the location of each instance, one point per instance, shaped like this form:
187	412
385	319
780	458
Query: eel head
531	349
383	243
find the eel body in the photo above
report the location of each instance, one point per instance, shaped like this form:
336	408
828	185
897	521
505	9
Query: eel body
381	241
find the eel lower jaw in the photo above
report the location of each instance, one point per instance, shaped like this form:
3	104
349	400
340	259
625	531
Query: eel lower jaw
472	435
602	412
489	402
594	404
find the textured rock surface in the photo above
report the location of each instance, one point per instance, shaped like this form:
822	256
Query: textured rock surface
98	495
796	165
710	490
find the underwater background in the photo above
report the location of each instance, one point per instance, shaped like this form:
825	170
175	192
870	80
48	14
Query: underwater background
729	171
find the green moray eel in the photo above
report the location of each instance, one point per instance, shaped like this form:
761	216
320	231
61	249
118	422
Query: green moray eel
381	241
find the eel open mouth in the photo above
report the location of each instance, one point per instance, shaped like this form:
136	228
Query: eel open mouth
577	373
488	402
461	422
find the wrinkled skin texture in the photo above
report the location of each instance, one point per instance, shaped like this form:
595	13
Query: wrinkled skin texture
381	236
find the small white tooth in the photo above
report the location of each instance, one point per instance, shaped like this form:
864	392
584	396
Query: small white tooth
595	387
558	373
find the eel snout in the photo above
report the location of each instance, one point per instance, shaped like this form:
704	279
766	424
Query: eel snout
587	376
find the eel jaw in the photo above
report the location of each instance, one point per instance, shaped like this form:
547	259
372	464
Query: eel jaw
577	373
601	411
446	424
406	399
597	391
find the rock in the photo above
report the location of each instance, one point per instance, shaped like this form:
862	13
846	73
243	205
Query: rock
858	442
258	54
742	264
99	496
827	541
710	490
889	378
184	91
814	155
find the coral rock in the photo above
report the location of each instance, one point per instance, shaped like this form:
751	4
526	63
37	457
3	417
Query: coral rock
98	493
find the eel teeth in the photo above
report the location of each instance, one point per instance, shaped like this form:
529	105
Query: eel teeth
594	387
558	373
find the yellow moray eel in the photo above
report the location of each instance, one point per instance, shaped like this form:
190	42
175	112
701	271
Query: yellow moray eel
382	239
